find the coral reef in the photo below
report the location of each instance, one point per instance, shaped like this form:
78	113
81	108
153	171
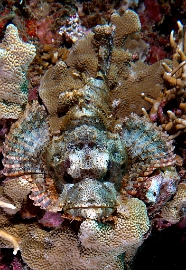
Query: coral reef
81	176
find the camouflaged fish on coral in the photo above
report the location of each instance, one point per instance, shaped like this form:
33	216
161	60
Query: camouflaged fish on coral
71	155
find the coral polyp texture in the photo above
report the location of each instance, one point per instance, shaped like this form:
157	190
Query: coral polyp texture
15	57
78	152
89	249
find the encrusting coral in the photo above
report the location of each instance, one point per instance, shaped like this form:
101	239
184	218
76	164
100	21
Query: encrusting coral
73	155
136	78
89	249
110	238
15	57
56	80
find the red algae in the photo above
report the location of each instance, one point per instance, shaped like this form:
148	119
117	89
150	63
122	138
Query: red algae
153	11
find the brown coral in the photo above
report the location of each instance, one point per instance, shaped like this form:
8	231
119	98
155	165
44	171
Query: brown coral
119	62
16	190
41	249
136	78
15	56
83	56
58	81
126	24
95	52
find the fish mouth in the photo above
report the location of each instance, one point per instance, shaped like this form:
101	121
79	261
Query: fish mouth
93	212
88	207
90	198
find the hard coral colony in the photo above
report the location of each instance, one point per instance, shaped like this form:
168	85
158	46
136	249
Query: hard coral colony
99	171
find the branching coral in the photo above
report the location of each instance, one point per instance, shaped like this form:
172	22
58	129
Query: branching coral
174	119
15	57
11	239
7	205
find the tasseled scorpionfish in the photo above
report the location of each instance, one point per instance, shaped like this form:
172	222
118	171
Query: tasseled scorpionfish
74	156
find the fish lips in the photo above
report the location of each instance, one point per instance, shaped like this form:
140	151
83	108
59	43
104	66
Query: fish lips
90	198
